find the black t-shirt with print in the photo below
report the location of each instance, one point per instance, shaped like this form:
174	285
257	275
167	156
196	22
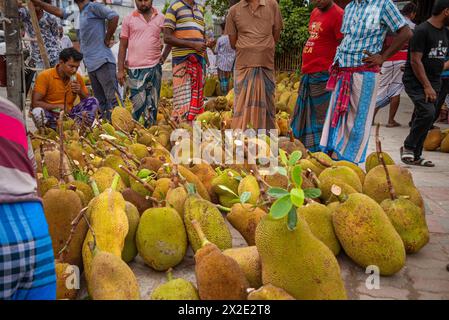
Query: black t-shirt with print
433	43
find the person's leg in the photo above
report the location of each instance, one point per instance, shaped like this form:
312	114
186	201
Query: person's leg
107	78
43	118
394	106
89	107
423	119
27	271
98	93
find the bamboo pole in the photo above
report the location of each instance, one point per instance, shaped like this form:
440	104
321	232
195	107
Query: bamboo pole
37	30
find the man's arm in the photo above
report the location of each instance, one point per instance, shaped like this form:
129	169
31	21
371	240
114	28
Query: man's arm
112	26
123	48
171	40
166	52
420	73
278	24
49	8
231	29
37	101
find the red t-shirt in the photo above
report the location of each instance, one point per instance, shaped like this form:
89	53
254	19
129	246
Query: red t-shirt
325	36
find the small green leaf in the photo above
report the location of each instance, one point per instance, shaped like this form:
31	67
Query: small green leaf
277	192
245	196
312	193
292	219
281	207
191	189
294	158
238	178
297	176
282	171
283	157
224	188
297	197
144	173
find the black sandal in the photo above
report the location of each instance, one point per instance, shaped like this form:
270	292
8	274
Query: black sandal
423	163
407	156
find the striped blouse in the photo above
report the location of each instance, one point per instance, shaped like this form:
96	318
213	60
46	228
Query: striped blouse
225	54
17	164
365	26
188	24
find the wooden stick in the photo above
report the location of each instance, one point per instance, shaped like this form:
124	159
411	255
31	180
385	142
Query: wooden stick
61	147
37	30
132	175
322	162
62	253
127	154
384	165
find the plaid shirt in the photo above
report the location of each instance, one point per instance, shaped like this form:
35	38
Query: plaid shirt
365	26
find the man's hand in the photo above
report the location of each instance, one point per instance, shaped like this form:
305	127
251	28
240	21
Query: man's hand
431	95
199	46
75	87
107	42
373	60
121	77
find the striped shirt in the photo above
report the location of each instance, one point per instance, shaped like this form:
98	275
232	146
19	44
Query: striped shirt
365	26
17	165
225	54
187	22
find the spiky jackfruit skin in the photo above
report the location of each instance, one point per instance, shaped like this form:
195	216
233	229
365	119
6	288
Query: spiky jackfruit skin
367	235
206	174
323	157
227	179
249	261
84	188
61	207
176	198
210	220
409	221
161	238
112	279
161	188
112	161
245	218
340	175
176	289
277	180
104	177
352	166
218	276
326	187
249	184
122	120
109	221
307	164
373	161
319	219
192	178
376	186
270	292
139	150
129	251
63	271
43	185
297	261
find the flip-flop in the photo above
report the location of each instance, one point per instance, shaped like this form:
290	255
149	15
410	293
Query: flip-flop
407	156
423	163
393	125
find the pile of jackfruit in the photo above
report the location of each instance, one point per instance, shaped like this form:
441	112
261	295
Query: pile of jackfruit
115	198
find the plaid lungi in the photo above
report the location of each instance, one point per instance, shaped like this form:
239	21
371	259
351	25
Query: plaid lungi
27	269
145	87
224	77
254	105
310	111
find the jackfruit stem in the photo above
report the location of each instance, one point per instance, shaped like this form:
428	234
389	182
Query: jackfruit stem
200	233
170	274
336	191
61	146
222	208
135	177
381	159
62	253
292	137
95	189
115	182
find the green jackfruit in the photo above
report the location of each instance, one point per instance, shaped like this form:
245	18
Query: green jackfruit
129	251
175	289
250	184
249	261
269	292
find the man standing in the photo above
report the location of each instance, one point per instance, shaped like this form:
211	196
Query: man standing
318	55
98	57
49	26
184	30
60	85
422	79
254	27
27	269
390	80
355	73
140	46
225	60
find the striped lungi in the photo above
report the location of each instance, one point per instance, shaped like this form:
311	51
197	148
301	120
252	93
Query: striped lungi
390	82
27	269
311	108
349	139
254	105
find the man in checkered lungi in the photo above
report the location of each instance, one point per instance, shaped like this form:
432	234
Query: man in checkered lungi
27	270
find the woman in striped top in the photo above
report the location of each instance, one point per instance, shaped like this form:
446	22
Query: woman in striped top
225	61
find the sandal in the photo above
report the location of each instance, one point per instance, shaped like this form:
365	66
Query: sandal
393	125
407	156
423	163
